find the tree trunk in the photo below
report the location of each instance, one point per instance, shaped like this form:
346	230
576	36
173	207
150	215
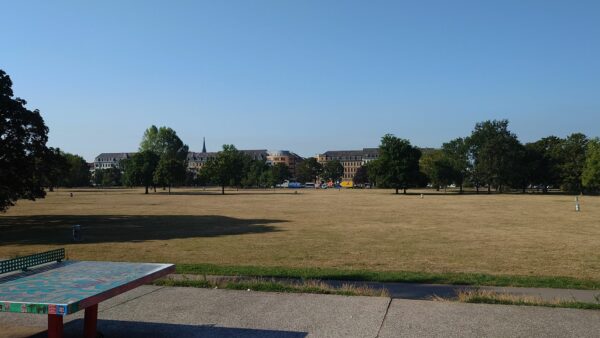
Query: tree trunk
169	189
146	192
404	190
154	186
396	191
51	188
489	188
222	190
461	189
477	187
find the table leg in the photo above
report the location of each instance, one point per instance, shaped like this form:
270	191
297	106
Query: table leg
90	321
55	326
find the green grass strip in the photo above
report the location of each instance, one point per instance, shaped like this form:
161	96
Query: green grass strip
475	279
562	304
265	286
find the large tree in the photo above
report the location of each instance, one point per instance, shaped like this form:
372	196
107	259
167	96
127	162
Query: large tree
23	137
457	153
573	157
140	168
361	176
398	163
169	172
54	167
226	169
309	170
172	153
77	173
332	171
495	153
280	173
164	141
545	162
590	177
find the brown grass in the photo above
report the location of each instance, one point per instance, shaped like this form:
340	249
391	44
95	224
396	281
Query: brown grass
492	297
511	234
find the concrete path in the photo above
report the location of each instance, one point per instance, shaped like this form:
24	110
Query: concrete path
152	311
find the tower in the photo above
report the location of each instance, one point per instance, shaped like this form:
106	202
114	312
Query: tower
203	145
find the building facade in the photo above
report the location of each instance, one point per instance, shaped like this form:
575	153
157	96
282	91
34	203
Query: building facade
290	159
351	160
110	160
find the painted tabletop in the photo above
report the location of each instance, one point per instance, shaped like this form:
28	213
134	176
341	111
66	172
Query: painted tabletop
69	286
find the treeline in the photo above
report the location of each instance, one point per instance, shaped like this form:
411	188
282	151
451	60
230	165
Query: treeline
491	158
27	164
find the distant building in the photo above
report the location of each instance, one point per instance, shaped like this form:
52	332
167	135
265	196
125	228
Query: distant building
198	160
290	159
110	160
351	160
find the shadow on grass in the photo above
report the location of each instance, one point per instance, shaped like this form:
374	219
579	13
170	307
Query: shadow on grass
28	230
132	329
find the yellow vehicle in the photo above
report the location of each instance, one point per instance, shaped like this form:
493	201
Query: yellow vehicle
347	184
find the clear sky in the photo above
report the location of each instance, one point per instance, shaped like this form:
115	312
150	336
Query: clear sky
307	76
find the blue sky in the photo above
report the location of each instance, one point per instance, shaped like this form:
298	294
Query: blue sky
307	76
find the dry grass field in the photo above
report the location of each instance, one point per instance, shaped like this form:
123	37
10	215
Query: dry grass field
534	235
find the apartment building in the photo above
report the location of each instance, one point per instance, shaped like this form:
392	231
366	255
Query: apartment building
290	159
110	160
351	160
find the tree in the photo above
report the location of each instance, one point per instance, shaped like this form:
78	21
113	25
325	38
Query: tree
361	176
172	153
309	170
55	168
226	169
140	168
398	163
457	153
280	173
590	177
77	173
254	173
545	162
98	177
169	171
23	137
495	153
573	158
112	177
164	141
332	171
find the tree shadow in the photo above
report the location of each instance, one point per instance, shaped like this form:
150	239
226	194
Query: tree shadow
119	328
57	229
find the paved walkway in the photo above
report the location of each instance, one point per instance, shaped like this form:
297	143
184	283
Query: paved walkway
152	311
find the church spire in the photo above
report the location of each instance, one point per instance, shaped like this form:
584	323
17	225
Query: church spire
203	145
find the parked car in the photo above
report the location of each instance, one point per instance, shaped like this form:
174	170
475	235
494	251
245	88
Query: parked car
309	185
295	185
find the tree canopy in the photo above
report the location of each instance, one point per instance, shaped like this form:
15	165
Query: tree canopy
591	170
23	137
309	170
227	169
397	166
332	171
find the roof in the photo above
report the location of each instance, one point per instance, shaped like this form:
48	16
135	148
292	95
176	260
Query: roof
113	156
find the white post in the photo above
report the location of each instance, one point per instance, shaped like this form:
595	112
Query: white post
577	208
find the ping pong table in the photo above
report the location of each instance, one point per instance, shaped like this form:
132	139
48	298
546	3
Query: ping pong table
46	283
